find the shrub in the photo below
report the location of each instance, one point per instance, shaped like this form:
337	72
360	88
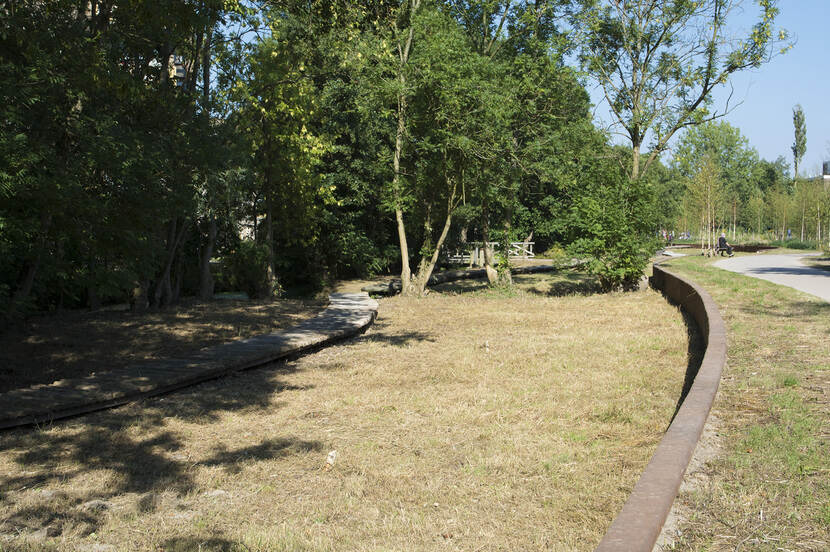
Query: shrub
797	244
557	255
246	269
611	224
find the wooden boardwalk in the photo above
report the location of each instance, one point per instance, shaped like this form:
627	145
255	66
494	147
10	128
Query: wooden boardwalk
347	314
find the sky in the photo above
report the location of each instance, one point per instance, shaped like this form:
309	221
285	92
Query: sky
768	95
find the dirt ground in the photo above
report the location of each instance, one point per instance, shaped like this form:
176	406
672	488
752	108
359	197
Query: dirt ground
78	343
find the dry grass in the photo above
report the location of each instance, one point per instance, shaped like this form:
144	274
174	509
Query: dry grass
548	284
769	490
460	422
78	343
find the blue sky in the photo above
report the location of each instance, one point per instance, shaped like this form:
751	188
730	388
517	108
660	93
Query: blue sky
768	94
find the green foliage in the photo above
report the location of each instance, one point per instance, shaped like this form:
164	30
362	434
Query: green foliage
245	268
119	178
799	147
797	244
658	62
611	225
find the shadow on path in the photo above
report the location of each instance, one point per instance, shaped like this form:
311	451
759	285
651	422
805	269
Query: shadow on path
790	270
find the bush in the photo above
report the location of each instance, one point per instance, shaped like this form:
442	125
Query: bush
611	224
246	269
797	244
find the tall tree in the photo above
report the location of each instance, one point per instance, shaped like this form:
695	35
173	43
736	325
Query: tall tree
799	147
659	62
706	189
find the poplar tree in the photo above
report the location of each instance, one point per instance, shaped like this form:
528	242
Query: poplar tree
799	147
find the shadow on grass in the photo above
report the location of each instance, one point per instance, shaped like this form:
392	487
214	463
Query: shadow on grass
695	352
380	333
551	284
193	544
565	283
100	456
269	449
462	286
790	310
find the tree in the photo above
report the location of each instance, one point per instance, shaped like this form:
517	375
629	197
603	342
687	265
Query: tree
733	156
611	222
799	146
547	113
706	191
658	62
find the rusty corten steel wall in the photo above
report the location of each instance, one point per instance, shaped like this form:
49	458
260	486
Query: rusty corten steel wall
638	525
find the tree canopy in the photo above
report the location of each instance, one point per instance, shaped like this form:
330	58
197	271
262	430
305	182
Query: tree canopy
149	152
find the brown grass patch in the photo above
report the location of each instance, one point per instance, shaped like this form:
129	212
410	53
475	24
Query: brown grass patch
460	423
77	343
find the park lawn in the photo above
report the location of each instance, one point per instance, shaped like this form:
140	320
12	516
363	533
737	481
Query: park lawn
769	487
822	261
507	420
77	343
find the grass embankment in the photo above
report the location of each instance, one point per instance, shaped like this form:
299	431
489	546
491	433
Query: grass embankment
770	487
491	421
76	343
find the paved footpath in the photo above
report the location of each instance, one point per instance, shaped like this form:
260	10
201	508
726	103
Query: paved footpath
347	314
785	270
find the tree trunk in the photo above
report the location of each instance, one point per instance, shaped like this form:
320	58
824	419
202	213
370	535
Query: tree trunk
403	57
406	273
206	282
163	295
427	265
492	274
31	265
273	283
93	301
635	161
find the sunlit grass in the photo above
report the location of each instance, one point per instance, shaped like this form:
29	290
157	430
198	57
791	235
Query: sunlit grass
471	422
770	487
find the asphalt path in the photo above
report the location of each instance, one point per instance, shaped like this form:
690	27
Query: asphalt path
785	270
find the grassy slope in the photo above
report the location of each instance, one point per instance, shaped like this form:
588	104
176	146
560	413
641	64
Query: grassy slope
770	488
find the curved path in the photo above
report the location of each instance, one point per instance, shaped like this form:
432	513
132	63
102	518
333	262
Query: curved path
347	314
785	270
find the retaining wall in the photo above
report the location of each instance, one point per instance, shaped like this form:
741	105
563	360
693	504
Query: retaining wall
638	525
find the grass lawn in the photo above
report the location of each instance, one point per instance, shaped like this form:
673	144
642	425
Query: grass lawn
769	488
479	421
822	261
